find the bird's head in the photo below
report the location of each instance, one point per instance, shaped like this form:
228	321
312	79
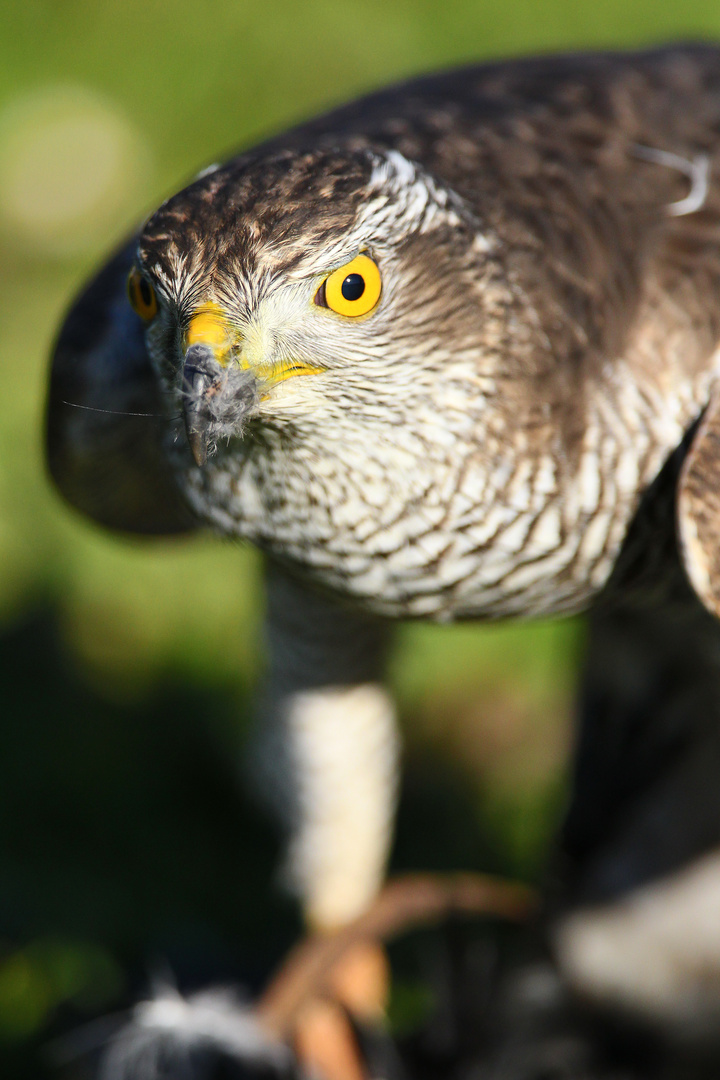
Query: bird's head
300	282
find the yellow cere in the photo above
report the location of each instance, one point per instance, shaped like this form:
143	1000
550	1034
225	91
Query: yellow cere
354	289
279	374
141	296
208	327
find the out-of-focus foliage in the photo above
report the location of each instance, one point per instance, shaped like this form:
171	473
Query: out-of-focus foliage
124	666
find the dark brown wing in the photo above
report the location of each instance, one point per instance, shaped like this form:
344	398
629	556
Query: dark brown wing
108	464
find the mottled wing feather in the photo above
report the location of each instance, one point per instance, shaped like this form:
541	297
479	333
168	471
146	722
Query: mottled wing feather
107	463
699	509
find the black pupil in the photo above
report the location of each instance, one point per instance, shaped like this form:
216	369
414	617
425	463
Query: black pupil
353	286
145	292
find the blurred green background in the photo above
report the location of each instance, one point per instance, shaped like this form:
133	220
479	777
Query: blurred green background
125	668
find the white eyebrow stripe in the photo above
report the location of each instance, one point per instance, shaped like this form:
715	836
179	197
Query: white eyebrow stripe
403	193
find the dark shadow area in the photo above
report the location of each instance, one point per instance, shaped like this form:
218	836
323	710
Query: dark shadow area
124	829
128	847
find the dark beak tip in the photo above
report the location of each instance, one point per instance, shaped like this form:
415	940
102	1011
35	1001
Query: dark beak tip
197	441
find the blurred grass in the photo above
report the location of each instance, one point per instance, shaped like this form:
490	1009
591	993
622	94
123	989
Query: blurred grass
125	666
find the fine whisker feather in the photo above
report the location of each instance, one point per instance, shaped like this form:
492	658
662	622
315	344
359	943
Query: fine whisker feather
118	412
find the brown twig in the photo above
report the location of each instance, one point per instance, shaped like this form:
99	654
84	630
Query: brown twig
406	902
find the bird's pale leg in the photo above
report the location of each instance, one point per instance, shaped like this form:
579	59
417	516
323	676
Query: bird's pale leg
329	764
341	744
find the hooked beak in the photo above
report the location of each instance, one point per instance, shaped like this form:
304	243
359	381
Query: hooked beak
200	371
208	342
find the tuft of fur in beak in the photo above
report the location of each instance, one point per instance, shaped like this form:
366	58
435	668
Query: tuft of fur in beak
216	400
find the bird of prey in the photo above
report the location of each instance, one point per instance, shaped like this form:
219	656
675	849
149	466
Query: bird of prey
452	352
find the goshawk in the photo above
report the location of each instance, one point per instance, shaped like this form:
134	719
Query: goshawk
452	352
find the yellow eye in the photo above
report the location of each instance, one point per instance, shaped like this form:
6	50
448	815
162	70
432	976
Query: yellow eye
142	296
352	290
